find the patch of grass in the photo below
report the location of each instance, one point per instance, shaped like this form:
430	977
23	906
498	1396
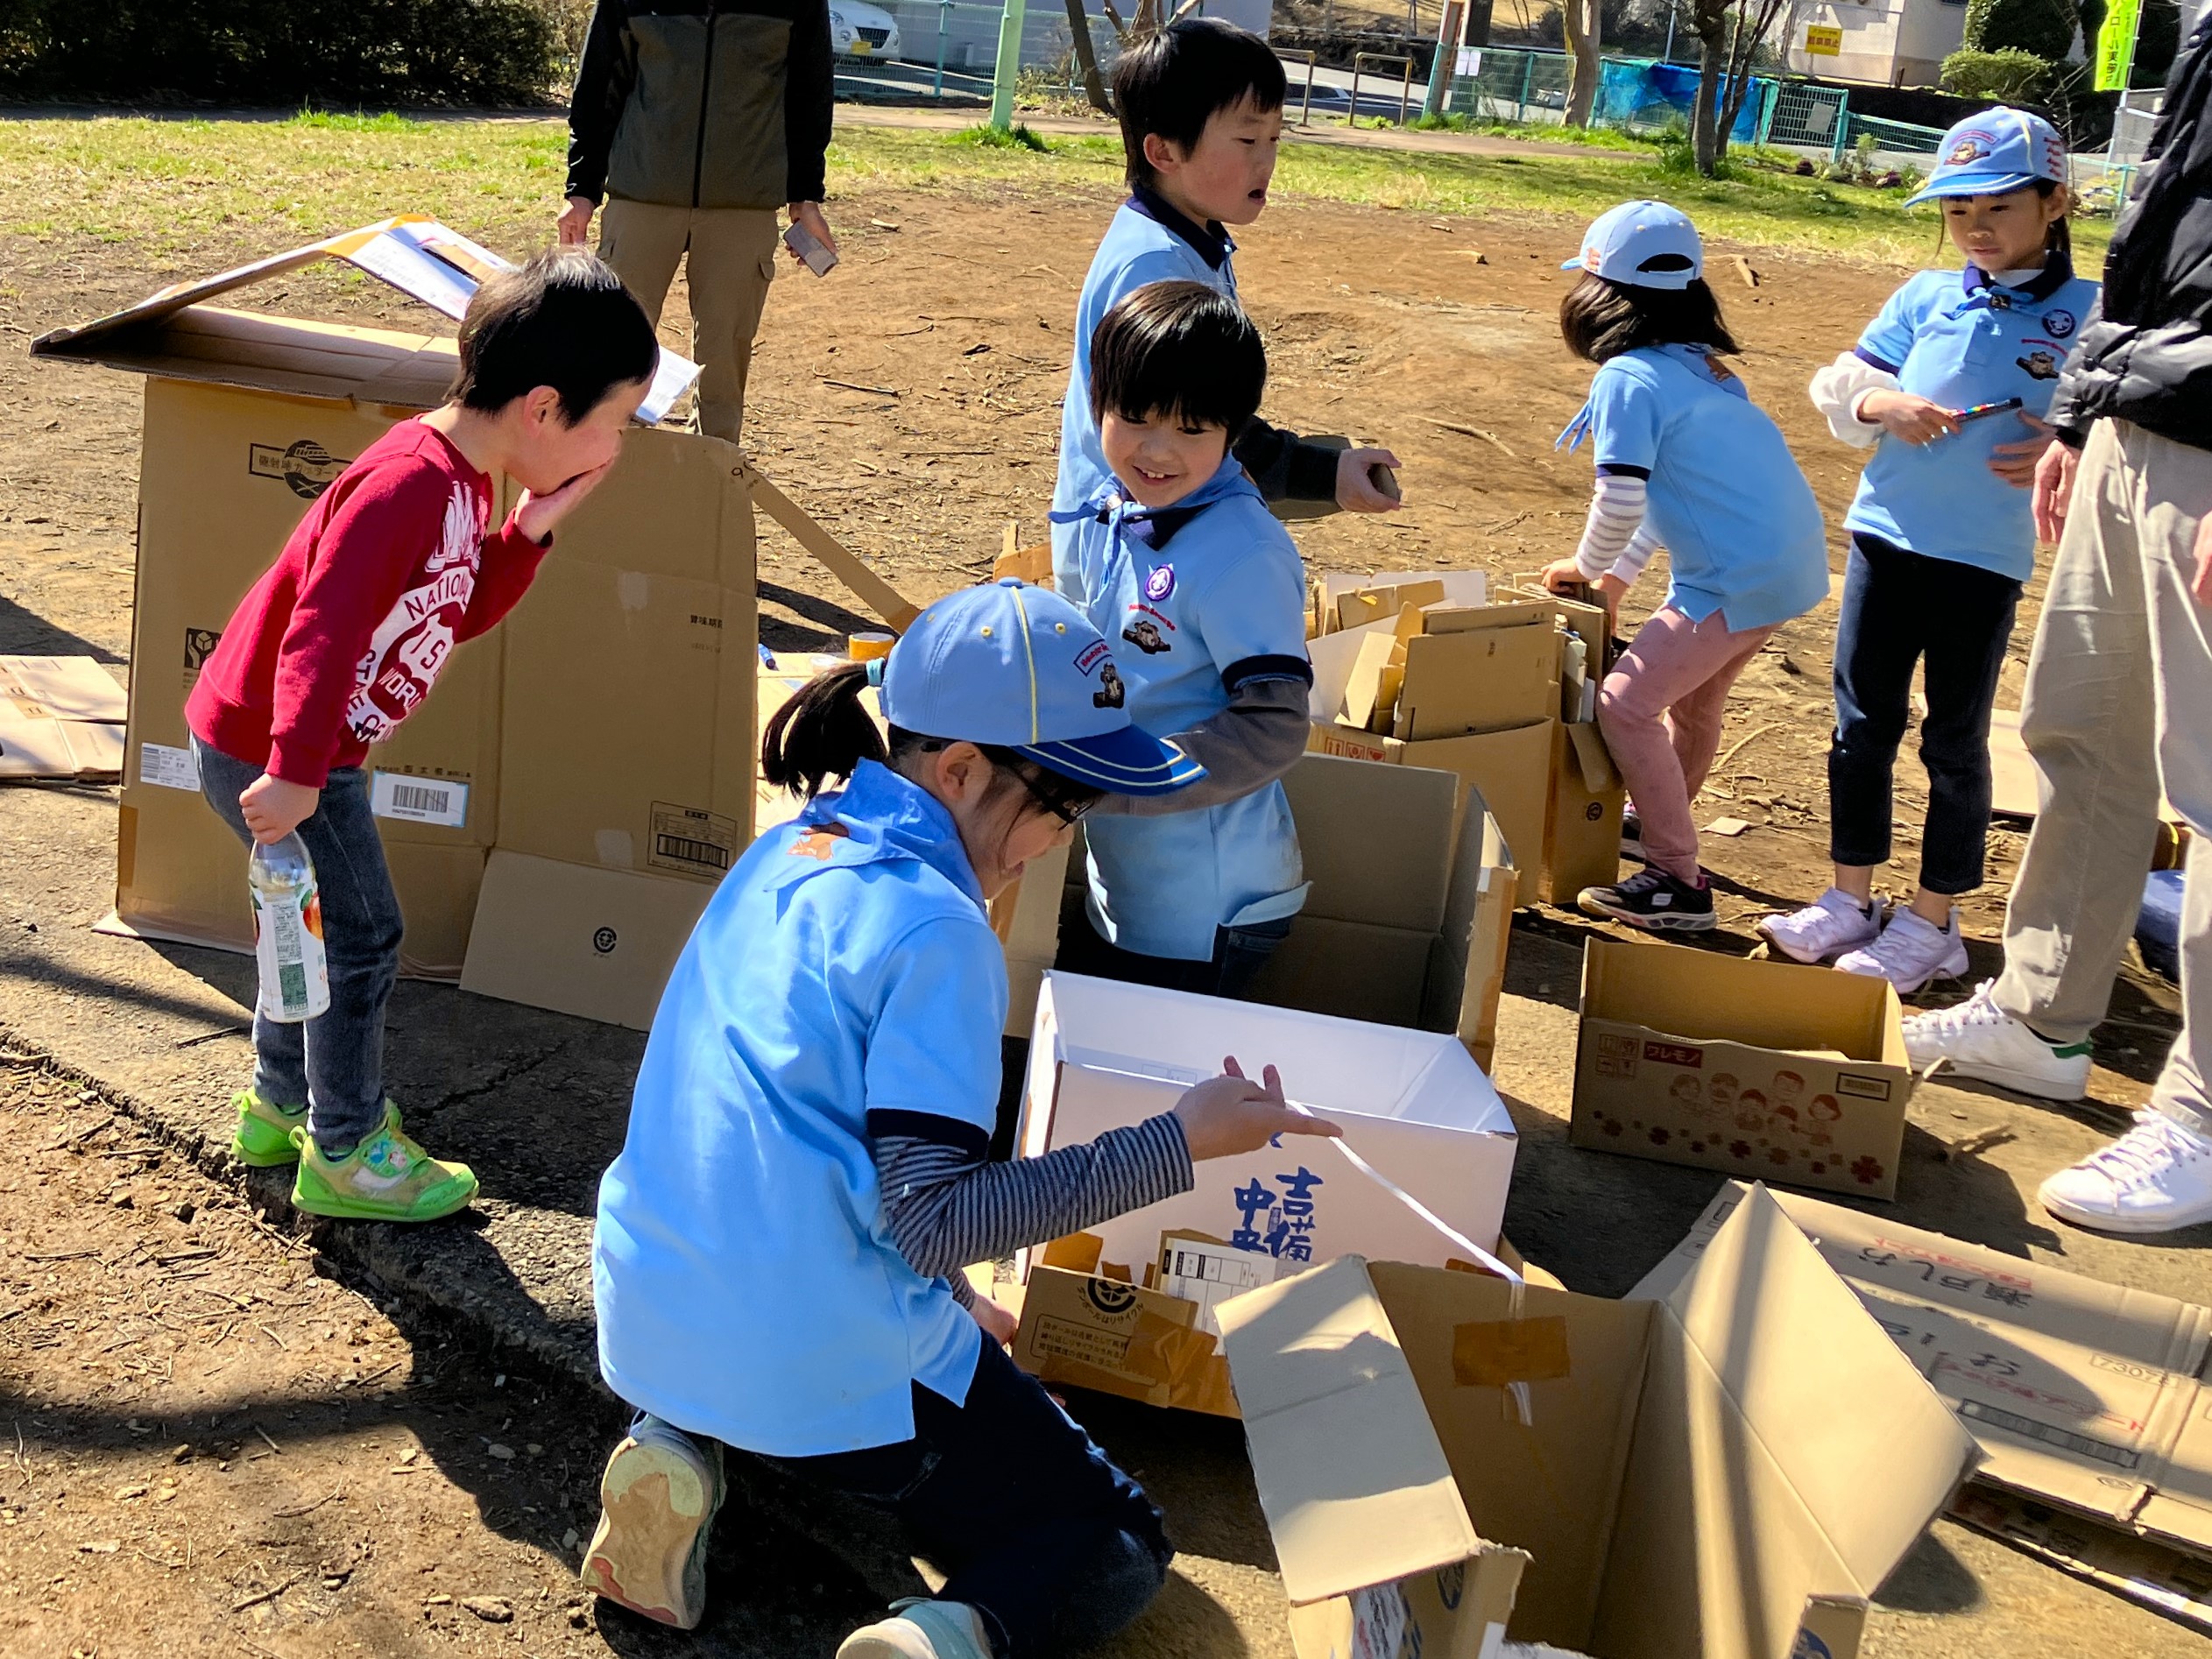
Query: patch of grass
1017	137
338	121
1536	132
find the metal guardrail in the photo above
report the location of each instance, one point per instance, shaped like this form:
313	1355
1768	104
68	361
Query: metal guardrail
1405	96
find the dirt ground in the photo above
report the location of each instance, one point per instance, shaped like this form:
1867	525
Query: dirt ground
1434	335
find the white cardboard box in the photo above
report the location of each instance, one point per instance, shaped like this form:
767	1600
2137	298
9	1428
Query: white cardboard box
1103	1055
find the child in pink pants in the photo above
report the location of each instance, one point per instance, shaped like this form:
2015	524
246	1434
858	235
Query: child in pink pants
1685	460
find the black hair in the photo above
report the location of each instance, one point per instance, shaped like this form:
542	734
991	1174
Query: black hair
1601	319
1172	83
561	319
1180	349
825	731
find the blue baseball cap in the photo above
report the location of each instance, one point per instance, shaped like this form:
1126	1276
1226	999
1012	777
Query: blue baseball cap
1995	152
1020	667
1646	244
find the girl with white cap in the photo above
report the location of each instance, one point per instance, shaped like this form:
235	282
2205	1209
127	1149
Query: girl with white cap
1685	460
1948	386
777	1262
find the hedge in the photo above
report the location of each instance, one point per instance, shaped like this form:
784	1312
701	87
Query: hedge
279	51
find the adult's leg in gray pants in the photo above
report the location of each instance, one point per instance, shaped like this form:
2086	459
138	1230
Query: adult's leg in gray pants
2088	720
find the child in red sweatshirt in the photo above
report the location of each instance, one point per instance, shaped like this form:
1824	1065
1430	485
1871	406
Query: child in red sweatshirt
342	638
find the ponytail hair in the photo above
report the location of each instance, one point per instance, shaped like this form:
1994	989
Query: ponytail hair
823	731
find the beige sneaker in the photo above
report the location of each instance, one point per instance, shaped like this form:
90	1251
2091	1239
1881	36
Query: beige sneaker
921	1628
657	1503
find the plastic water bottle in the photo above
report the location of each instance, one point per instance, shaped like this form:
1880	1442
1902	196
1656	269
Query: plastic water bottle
288	932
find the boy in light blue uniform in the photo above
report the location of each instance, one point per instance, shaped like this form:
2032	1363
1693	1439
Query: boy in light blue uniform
777	1258
1177	559
1942	540
1201	110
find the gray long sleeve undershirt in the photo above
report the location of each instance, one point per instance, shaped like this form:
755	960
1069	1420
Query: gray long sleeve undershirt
1250	743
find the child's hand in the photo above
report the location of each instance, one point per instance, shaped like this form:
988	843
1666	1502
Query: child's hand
1610	588
274	808
2016	463
1561	574
1229	1114
998	1323
1904	416
535	516
1356	491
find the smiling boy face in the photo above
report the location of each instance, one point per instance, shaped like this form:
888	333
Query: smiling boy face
1163	457
1225	175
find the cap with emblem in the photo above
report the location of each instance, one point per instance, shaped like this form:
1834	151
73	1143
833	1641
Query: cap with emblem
1020	667
1645	244
1994	153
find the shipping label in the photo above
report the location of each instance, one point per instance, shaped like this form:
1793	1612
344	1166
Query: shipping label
692	842
167	768
411	799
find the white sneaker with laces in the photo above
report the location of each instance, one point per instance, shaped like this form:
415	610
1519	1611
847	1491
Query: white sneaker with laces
2155	1178
1830	925
922	1628
1981	1040
1911	951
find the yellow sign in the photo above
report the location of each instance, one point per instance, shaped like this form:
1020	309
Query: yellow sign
1822	41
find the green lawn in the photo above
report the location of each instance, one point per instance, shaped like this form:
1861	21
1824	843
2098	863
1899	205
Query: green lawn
170	186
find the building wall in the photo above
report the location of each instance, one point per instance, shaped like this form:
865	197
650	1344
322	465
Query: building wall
1888	42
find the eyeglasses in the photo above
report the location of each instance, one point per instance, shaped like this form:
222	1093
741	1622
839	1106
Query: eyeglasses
1068	814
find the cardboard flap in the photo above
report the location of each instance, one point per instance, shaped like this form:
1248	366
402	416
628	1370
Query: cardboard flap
414	253
1591	758
1376	839
64	688
1823	1390
1351	1475
1763	1005
1334	657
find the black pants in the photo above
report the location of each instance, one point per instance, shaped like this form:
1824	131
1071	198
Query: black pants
1901	608
1029	1520
1238	954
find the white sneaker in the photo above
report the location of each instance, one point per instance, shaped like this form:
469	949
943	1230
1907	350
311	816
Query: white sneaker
1982	1040
921	1629
658	1500
1911	951
2156	1177
1830	925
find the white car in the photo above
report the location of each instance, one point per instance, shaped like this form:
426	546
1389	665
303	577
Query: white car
857	30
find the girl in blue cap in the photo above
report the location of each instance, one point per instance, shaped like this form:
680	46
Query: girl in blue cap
1685	460
1948	386
777	1262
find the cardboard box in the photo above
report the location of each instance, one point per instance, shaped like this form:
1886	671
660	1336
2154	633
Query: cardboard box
1765	1069
1386	593
1728	1473
2086	1395
59	718
1085	1331
1582	818
1414	1103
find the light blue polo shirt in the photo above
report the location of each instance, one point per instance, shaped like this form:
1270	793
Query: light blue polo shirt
1196	600
1148	241
1958	339
1743	532
746	1287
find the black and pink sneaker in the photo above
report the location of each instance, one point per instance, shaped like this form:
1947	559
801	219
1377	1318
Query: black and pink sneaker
1653	900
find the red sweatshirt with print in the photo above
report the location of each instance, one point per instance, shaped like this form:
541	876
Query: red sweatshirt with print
341	639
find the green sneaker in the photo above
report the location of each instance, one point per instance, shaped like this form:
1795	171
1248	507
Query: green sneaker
387	1177
264	1141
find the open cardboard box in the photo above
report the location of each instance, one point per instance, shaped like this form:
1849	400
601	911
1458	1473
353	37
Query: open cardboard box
1336	600
1105	1055
1582	818
2083	1394
1725	1473
59	718
1766	1069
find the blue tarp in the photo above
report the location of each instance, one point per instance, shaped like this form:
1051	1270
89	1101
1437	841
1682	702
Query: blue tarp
1652	93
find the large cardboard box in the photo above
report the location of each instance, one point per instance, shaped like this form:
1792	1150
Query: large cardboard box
1582	821
1336	600
1728	1473
59	718
1414	1103
2088	1395
1765	1069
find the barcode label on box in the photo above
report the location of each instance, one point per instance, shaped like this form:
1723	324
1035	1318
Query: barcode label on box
442	800
692	842
167	768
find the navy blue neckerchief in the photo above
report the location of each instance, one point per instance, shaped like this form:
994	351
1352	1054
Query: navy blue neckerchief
1209	241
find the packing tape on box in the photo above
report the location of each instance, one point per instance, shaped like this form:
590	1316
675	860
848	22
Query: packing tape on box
1517	1391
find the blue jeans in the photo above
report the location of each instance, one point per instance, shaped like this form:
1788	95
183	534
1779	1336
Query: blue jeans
1900	609
335	1061
1033	1526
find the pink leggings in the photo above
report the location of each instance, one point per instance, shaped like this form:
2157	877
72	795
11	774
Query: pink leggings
1660	711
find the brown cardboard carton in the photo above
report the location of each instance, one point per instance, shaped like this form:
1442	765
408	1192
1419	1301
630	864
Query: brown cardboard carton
1582	819
2086	1395
1086	1331
1478	669
1687	1486
1766	1069
59	718
1325	592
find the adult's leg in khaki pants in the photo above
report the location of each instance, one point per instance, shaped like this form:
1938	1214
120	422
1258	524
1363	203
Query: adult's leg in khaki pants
2088	720
734	255
643	241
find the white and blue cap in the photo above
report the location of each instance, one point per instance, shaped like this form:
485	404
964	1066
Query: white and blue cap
1993	153
1646	244
1020	667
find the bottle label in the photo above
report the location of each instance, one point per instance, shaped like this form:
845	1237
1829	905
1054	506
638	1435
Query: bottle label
288	950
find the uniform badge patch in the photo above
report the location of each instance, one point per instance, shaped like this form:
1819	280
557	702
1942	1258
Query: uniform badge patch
2058	324
1091	655
1970	147
1110	694
1160	583
1145	635
2043	366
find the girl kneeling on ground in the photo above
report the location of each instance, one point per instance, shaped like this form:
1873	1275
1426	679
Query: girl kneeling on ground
1685	460
1949	386
778	1257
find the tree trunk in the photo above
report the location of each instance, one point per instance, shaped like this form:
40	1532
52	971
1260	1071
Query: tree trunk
1086	55
1707	146
1583	23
